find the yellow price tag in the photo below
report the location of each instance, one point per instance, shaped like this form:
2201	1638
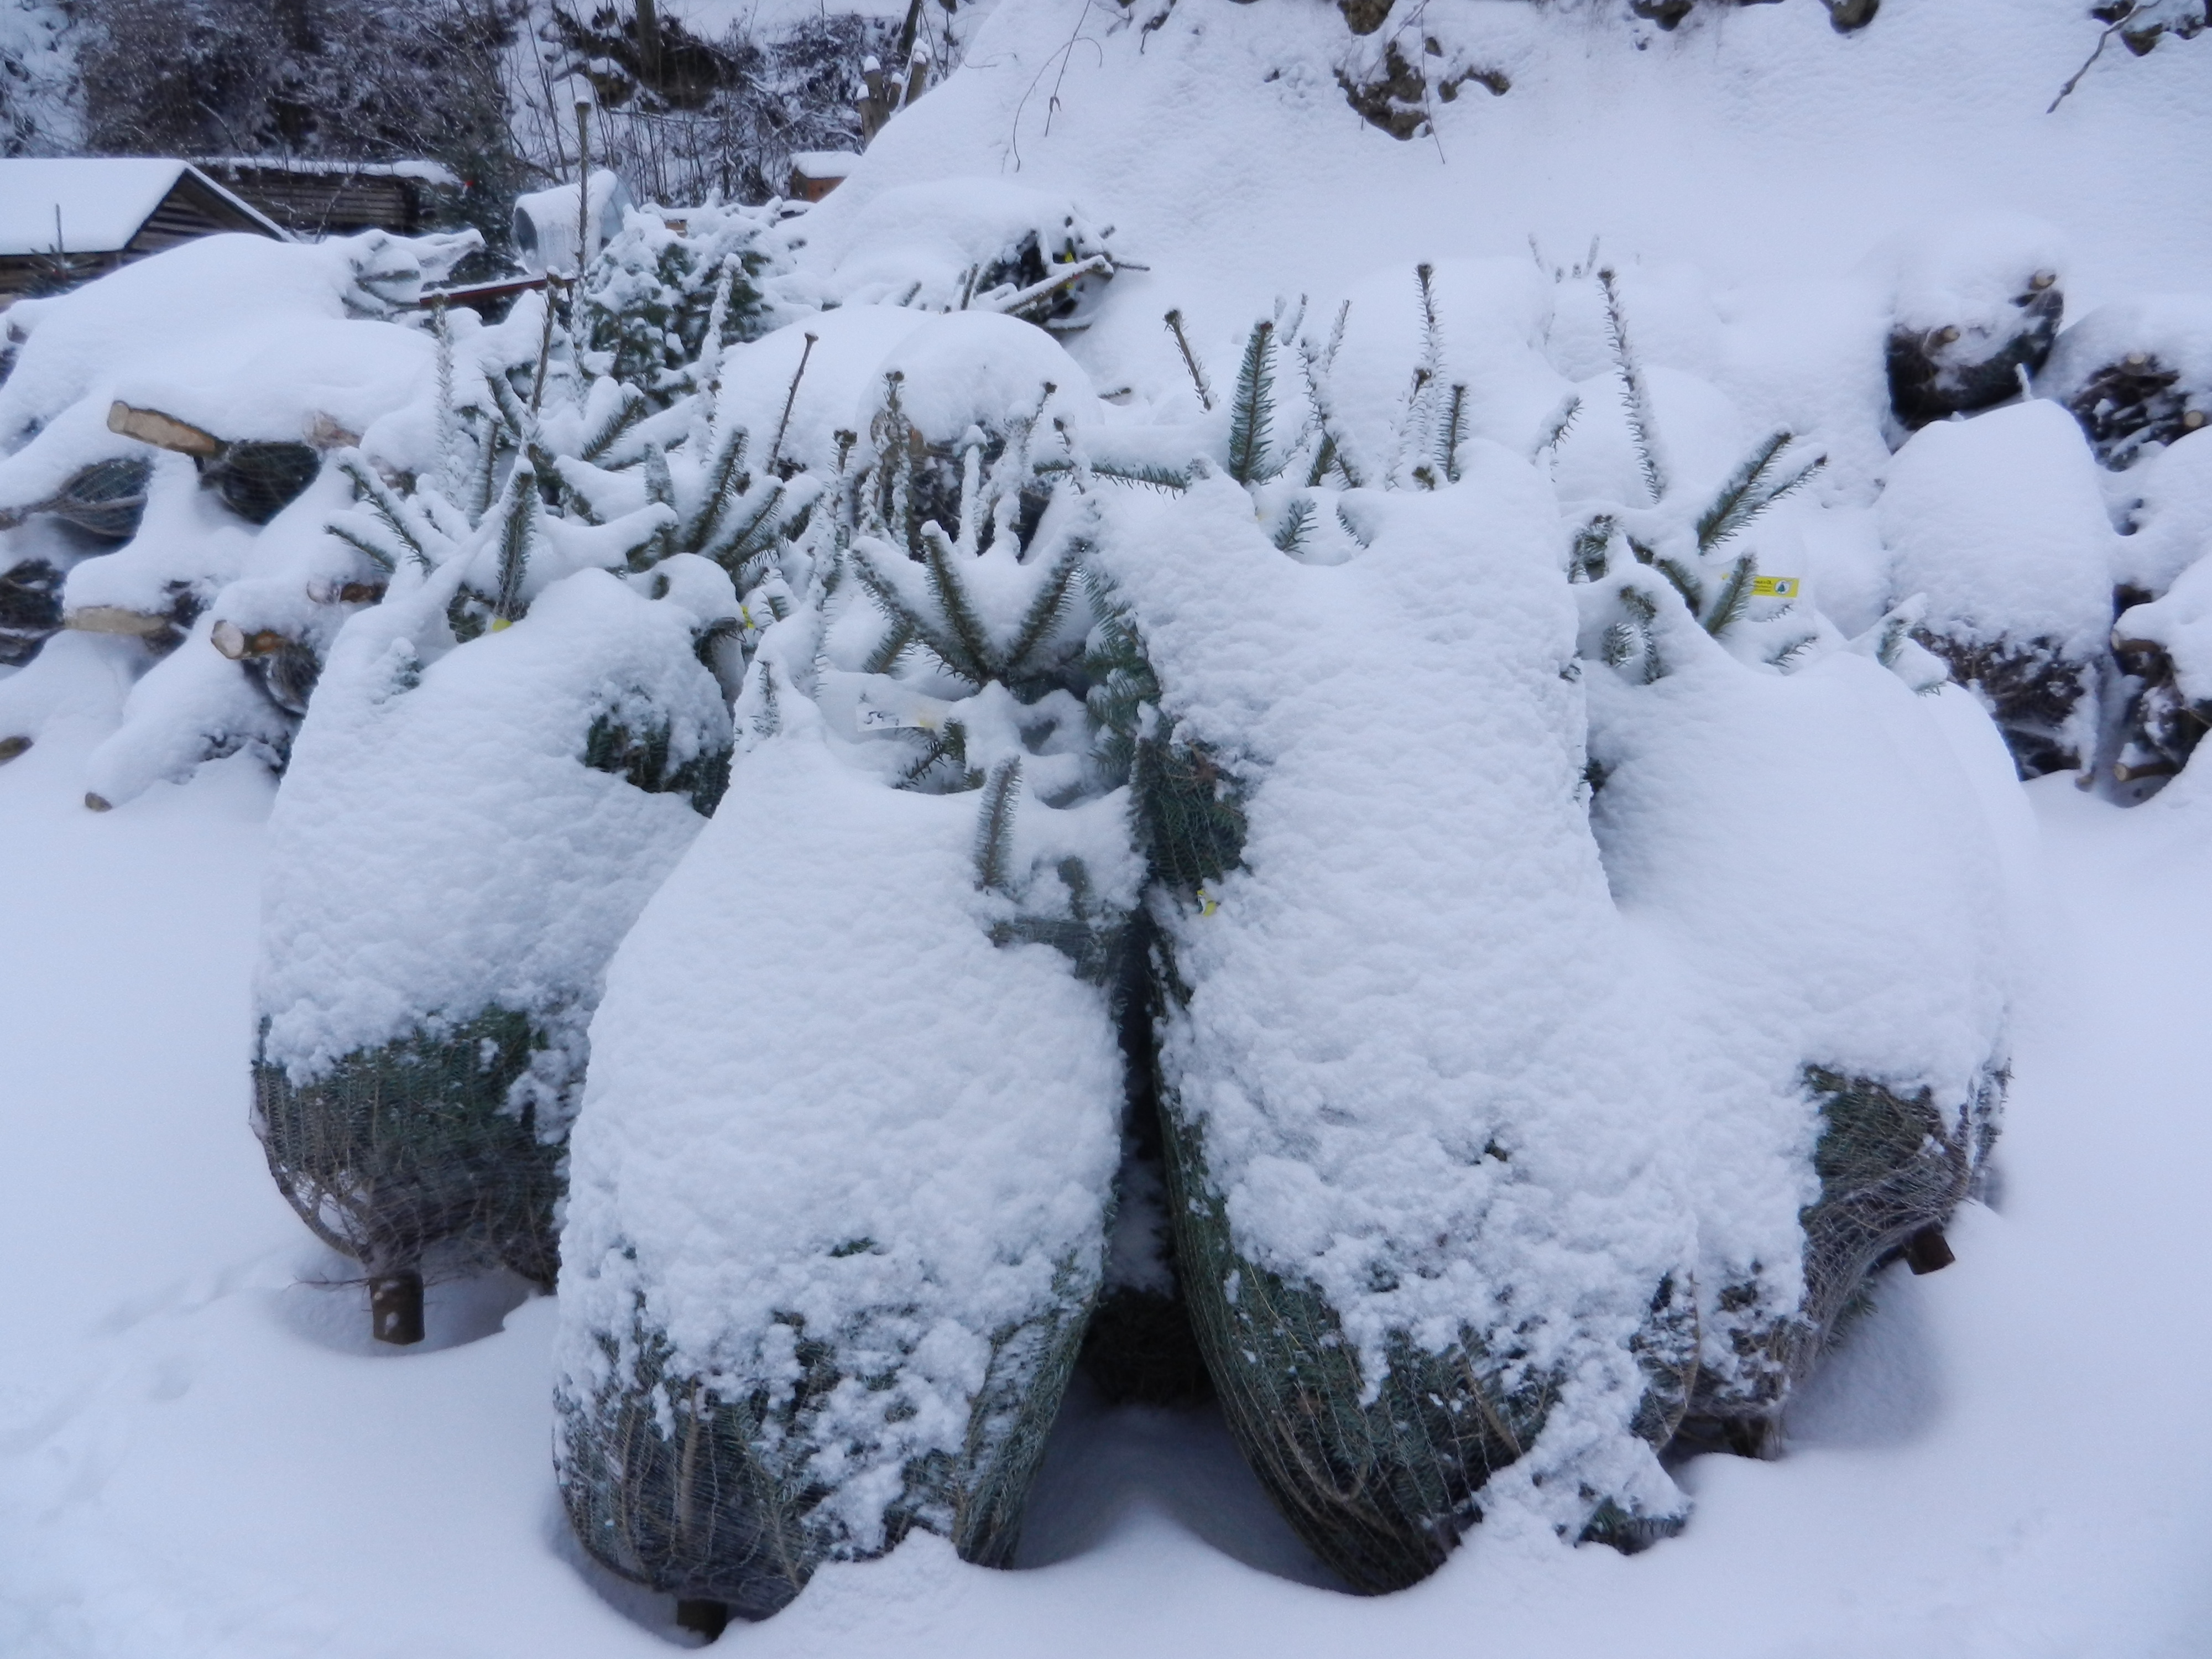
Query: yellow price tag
1775	587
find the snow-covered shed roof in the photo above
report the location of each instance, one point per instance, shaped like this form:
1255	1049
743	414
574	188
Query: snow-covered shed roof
102	204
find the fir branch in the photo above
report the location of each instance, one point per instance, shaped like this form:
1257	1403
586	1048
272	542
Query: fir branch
1153	477
1733	598
382	558
994	826
741	538
1685	581
384	503
1047	608
1190	361
1297	520
521	424
769	720
1447	440
633	407
1643	612
890	649
659	487
903	617
1788	653
518	530
717	315
1750	490
1252	408
722	481
1587	559
977	659
1562	423
1636	398
449	422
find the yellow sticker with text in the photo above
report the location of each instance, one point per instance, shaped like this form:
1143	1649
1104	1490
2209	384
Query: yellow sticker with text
1775	587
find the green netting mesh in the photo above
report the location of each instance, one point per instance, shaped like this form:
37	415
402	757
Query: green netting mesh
410	1152
106	499
421	1152
671	1484
257	481
30	610
1892	1167
1380	1490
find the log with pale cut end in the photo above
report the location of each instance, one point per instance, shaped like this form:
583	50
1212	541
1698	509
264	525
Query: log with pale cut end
151	425
118	619
257	479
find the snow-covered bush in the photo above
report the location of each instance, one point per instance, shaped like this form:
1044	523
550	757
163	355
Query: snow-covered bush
842	1181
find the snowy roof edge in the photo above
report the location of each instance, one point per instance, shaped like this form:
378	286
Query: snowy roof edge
156	177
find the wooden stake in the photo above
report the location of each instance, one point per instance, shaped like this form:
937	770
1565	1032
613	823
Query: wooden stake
1929	1251
395	1308
702	1616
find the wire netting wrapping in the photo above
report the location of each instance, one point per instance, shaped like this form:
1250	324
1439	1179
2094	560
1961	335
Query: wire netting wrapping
1381	1488
2033	689
411	1149
1892	1165
877	1342
1379	1476
671	1482
536	762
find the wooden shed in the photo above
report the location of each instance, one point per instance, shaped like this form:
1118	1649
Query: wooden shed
336	198
66	220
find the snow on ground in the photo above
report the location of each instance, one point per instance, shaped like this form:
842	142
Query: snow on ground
201	1456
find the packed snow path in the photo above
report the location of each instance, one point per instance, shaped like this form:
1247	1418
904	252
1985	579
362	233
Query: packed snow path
200	1455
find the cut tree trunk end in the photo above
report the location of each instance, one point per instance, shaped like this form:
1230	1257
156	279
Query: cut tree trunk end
1928	1251
395	1308
702	1617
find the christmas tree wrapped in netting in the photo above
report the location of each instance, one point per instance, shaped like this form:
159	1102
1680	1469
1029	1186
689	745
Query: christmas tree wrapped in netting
534	717
1435	1259
467	831
1815	857
842	1181
1814	862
